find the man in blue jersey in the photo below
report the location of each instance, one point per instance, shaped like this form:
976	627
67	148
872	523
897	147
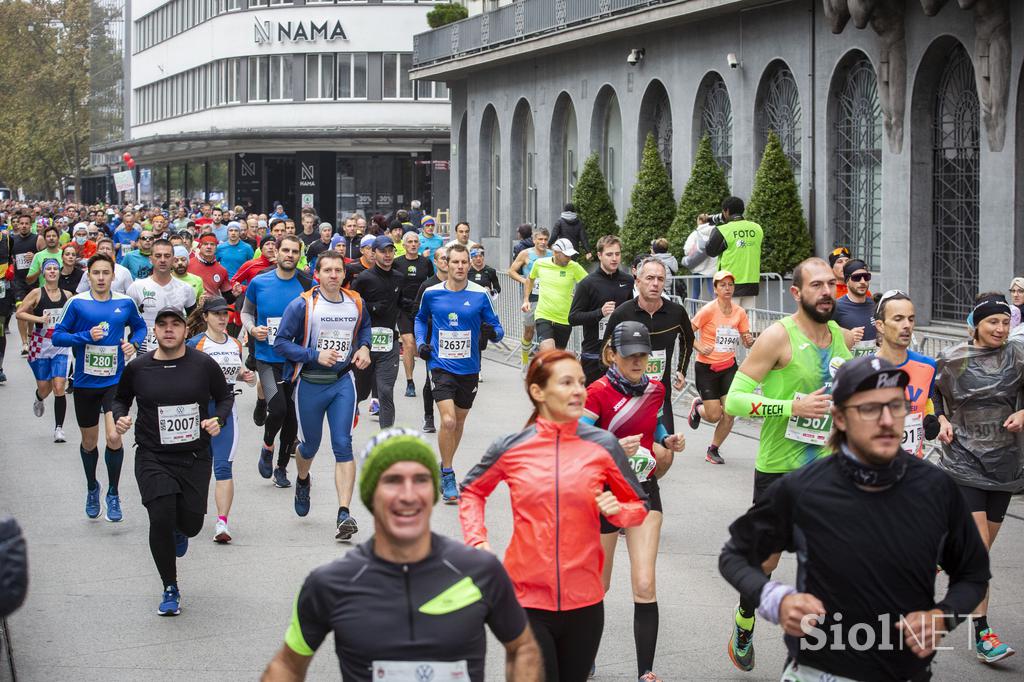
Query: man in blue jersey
324	334
265	301
93	325
455	310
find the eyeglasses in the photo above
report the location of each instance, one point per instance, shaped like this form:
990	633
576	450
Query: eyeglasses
872	411
145	239
861	277
1017	291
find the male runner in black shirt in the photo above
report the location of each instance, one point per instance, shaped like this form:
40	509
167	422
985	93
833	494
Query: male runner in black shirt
173	386
415	269
867	525
440	259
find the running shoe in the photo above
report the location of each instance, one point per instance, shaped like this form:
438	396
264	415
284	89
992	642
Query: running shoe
693	419
990	649
24	350
449	489
3	379
92	502
649	677
713	456
221	534
281	478
170	603
302	495
266	464
58	435
38	407
259	413
410	390
428	425
347	526
113	509
180	543
374	408
741	648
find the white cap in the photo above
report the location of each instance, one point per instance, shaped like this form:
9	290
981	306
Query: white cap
563	245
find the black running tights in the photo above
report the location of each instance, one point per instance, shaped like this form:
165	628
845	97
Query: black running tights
568	640
166	516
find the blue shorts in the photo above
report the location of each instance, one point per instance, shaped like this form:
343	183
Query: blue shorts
48	369
223	445
335	401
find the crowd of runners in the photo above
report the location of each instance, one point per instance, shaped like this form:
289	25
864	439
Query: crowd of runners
149	318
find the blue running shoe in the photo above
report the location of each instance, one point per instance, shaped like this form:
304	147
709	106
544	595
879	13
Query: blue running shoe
346	526
170	603
410	389
281	478
374	407
990	649
302	495
114	509
180	544
266	462
449	489
92	502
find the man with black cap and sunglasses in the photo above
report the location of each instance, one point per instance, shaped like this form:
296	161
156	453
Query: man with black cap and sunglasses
867	525
856	311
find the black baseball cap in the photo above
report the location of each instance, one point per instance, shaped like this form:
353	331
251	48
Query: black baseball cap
171	310
215	304
853	266
630	338
866	373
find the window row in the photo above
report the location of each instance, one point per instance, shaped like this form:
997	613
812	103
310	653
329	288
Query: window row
180	15
210	85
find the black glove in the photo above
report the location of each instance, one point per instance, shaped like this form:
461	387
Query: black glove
488	332
424	351
13	567
931	427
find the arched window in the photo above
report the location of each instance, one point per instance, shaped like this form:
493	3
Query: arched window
606	138
461	163
524	163
857	162
490	172
656	118
955	217
564	160
779	111
715	111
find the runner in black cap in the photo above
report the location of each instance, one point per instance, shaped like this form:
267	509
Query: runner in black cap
867	525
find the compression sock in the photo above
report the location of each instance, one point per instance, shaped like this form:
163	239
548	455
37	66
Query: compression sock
114	460
745	617
645	635
525	346
343	509
90	458
60	408
980	625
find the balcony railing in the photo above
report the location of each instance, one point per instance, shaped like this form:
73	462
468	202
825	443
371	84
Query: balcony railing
513	23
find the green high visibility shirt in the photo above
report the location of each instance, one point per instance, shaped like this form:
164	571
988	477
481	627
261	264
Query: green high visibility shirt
742	255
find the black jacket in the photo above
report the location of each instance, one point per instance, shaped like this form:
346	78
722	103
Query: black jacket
572	229
13	567
381	291
590	295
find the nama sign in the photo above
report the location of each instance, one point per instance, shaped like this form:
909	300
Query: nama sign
294	31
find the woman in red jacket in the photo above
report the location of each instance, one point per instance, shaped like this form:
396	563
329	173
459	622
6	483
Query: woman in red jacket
562	476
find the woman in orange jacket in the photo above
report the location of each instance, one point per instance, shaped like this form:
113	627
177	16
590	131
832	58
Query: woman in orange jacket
562	476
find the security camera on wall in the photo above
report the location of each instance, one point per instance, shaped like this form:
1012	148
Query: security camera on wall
635	56
734	63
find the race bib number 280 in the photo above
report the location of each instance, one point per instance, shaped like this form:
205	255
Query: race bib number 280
100	361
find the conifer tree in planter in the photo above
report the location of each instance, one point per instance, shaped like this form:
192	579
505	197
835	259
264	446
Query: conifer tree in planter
593	203
653	204
704	192
775	205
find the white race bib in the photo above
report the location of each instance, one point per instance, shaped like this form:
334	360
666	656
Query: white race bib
642	463
863	348
178	423
602	325
149	343
382	339
100	361
656	365
420	671
23	261
727	340
812	430
51	315
454	345
273	324
230	365
334	339
913	433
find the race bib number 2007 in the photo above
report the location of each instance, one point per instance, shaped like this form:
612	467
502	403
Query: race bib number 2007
178	423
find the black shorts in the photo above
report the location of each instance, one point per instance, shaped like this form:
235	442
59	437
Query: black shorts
559	333
21	289
406	322
458	387
250	356
592	370
993	502
653	491
712	385
175	473
90	402
762	481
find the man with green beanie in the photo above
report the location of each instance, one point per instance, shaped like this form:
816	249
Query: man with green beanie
407	604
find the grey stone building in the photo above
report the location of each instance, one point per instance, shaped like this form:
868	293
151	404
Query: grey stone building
900	118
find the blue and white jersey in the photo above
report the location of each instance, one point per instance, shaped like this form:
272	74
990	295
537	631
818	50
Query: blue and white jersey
271	295
98	364
454	319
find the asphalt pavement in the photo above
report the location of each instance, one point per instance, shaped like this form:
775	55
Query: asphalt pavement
91	610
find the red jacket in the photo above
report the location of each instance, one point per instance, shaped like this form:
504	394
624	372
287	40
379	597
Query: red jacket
553	471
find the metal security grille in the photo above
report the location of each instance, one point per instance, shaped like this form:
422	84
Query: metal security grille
662	117
955	161
716	123
779	111
857	149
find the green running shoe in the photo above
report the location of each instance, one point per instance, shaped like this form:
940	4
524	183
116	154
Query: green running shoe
741	648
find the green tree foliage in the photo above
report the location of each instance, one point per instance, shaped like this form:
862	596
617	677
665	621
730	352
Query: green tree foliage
704	192
446	14
652	204
593	204
44	49
775	205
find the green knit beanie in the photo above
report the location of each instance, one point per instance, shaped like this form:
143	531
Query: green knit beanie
390	446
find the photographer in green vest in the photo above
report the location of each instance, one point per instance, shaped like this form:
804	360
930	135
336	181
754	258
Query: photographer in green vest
738	243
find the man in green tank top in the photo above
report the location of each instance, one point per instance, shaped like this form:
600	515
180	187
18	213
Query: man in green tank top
738	243
793	361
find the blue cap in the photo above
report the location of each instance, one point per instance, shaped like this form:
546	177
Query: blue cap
382	242
368	240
